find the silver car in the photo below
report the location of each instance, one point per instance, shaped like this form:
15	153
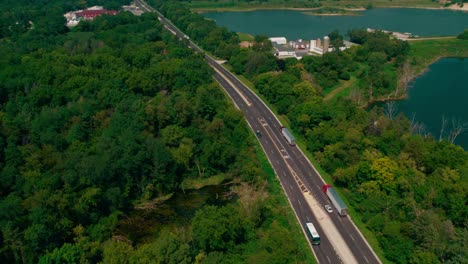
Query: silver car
328	208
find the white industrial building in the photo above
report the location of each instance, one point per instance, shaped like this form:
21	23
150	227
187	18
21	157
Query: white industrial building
300	48
317	47
279	40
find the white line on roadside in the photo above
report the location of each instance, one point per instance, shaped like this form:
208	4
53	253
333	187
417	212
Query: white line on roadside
233	87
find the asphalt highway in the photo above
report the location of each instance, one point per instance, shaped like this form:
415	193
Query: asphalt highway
285	160
260	118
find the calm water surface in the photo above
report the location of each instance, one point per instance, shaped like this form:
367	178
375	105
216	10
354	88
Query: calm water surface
295	24
441	92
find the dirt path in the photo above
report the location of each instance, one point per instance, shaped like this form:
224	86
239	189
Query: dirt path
339	89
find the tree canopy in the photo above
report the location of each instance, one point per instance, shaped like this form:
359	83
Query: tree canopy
113	114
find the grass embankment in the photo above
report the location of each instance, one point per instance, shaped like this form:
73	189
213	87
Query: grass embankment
245	36
425	52
225	5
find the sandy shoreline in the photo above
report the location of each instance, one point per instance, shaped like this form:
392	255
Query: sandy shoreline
216	9
456	7
331	14
452	7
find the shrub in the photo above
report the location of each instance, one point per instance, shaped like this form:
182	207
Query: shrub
345	76
463	35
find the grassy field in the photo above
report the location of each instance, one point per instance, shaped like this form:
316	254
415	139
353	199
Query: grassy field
227	5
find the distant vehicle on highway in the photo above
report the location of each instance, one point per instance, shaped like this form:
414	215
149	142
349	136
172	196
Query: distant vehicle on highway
186	37
314	236
288	136
328	208
259	134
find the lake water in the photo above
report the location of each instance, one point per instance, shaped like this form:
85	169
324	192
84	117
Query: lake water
441	92
295	24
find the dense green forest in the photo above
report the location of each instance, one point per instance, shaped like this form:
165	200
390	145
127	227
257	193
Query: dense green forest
112	115
410	190
46	17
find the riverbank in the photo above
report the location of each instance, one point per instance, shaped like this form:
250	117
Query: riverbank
201	10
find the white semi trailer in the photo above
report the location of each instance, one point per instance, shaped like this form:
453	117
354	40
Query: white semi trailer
288	136
335	199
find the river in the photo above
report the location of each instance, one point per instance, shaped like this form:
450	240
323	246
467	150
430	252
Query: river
441	92
295	24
